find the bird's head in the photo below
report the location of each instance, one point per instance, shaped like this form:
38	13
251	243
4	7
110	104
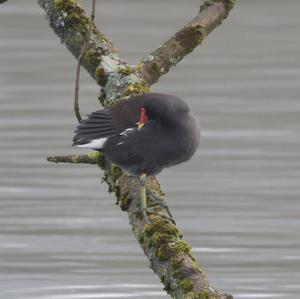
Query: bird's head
163	107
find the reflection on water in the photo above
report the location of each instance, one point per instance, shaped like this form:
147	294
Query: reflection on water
62	237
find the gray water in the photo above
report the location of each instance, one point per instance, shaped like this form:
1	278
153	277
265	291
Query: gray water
237	201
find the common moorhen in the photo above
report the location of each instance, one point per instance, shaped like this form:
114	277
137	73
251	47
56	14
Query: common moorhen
142	135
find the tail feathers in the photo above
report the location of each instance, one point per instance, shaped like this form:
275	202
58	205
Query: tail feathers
95	130
93	144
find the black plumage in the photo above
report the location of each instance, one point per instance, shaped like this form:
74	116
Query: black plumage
169	134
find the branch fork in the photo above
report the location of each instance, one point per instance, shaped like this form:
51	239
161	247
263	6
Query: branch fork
170	257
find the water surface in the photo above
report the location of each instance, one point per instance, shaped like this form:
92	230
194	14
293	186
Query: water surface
237	201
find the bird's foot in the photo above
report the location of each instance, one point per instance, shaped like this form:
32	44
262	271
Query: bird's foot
152	211
144	192
160	203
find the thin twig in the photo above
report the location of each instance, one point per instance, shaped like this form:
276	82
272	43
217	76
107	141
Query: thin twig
76	98
92	158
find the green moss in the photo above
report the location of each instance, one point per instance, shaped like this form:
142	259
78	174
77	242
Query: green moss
176	265
155	187
182	247
229	4
141	239
111	178
99	157
139	215
190	295
207	3
165	239
71	16
195	266
125	200
206	295
101	77
125	70
115	173
136	89
65	4
156	238
162	227
167	284
102	97
91	57
118	194
168	248
191	36
186	285
115	178
155	67
139	67
201	295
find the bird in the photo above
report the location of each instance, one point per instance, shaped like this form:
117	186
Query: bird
142	135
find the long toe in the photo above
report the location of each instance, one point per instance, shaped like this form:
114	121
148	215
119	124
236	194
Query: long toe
160	202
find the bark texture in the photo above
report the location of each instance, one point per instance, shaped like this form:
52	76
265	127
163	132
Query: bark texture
159	62
169	256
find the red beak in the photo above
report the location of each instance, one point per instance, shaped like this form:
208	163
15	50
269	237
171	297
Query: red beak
143	119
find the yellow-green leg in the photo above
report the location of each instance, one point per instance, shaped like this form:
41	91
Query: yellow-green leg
143	196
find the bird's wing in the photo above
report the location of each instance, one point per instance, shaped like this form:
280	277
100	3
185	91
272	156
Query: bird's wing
98	126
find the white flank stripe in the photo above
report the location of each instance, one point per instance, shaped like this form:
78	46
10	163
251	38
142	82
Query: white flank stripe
126	132
94	144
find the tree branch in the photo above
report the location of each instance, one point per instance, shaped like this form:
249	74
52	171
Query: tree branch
170	257
71	24
159	62
76	159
